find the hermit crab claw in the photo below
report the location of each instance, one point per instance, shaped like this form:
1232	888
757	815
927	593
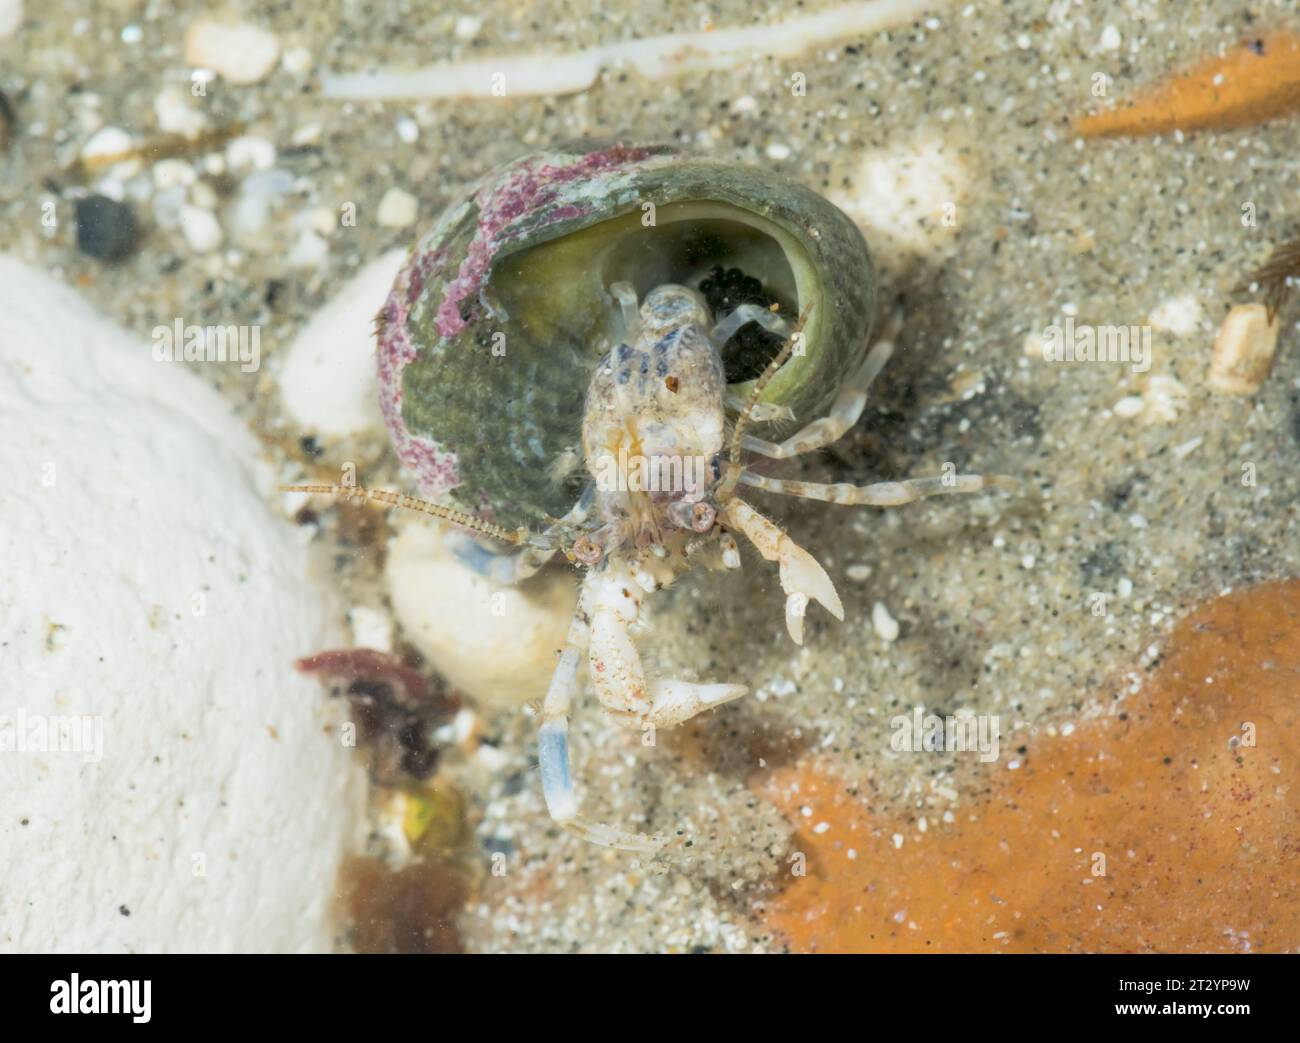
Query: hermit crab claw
802	579
673	701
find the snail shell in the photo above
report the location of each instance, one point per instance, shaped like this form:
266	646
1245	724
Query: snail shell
490	334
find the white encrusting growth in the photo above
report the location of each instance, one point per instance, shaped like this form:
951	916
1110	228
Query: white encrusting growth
654	57
165	769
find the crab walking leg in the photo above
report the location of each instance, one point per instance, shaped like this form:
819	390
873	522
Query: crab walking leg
743	316
802	578
848	406
881	494
610	599
625	294
760	412
553	745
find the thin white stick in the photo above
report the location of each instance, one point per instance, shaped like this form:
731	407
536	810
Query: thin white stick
654	57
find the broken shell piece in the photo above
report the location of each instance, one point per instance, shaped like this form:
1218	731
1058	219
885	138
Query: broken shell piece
1243	350
495	643
240	53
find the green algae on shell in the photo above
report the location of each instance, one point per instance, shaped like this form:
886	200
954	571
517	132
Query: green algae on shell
488	339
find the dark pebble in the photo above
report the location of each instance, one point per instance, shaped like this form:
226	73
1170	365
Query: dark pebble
106	229
6	121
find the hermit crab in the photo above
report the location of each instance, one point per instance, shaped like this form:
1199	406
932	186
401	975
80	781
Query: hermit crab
581	359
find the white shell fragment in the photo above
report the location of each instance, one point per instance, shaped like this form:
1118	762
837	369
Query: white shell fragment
886	626
495	643
240	53
200	798
201	229
328	382
107	142
398	209
176	113
654	57
1243	350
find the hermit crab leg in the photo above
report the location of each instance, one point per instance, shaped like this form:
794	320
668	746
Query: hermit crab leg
610	600
743	315
761	412
881	494
802	578
553	749
625	294
848	407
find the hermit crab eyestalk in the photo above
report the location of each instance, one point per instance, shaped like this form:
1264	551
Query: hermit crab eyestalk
587	551
698	517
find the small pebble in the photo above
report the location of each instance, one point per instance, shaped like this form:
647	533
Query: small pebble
110	141
371	628
1179	315
309	251
204	195
307	134
106	229
297	60
778	151
240	53
168	173
886	626
177	114
467	27
1164	399
1243	350
398	209
320	219
201	229
249	153
11	16
1111	39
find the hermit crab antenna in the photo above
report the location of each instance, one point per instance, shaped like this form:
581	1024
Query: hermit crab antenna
760	385
450	514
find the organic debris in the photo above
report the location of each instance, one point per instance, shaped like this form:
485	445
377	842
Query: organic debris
164	146
1277	276
410	910
1255	81
1243	350
395	707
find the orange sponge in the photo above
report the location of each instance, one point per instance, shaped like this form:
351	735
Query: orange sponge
1173	826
